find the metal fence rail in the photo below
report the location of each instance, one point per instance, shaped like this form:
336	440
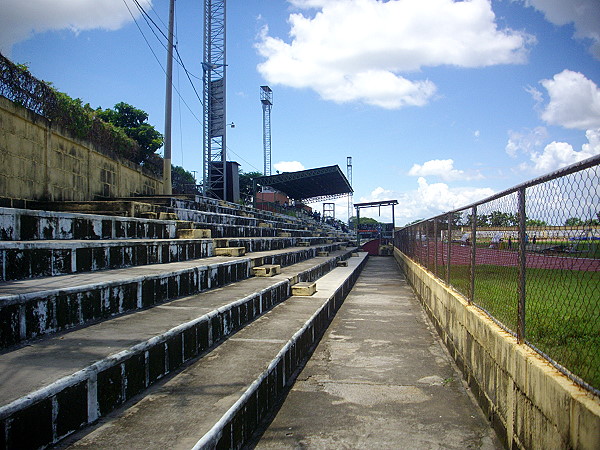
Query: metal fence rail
529	257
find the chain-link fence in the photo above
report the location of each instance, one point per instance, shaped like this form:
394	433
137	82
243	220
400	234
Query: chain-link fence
530	258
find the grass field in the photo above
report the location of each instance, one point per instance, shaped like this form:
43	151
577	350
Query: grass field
562	311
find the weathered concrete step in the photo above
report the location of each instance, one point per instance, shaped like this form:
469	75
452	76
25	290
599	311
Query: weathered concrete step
30	259
218	401
38	307
269	243
27	224
239	231
127	208
89	372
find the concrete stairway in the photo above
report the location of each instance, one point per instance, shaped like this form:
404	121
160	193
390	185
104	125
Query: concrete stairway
97	309
219	401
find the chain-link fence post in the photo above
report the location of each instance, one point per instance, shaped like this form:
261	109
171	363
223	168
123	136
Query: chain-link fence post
473	250
522	267
449	253
435	247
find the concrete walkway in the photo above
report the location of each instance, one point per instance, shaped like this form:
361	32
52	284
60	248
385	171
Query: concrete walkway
380	378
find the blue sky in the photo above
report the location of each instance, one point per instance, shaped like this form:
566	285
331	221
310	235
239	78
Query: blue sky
439	103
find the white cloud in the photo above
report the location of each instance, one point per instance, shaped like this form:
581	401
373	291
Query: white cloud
288	166
426	201
584	14
560	154
355	50
574	101
21	19
443	168
527	141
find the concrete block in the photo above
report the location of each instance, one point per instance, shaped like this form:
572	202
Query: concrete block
329	241
265	225
284	234
304	288
304	244
268	270
191	233
342	264
322	253
167	216
230	251
148	215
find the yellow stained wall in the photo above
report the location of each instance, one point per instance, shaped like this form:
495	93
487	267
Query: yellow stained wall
39	161
530	403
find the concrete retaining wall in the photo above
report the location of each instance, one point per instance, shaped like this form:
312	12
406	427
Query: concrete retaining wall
529	403
39	161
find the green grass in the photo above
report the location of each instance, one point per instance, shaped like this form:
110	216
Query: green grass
562	311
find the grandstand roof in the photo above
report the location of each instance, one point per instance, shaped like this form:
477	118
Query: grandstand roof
322	183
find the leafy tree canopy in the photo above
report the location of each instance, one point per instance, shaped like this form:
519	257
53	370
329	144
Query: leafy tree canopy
134	122
246	184
183	181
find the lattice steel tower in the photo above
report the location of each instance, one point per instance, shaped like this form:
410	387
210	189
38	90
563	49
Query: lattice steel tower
214	162
349	176
266	98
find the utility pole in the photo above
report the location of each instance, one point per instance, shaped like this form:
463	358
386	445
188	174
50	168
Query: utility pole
349	176
167	183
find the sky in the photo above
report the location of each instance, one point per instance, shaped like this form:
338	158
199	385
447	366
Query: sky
439	103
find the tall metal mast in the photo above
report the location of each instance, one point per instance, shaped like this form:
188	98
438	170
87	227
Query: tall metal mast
266	98
349	176
214	162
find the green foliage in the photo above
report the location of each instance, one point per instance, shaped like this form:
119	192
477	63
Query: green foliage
577	222
183	181
535	223
246	184
73	115
133	122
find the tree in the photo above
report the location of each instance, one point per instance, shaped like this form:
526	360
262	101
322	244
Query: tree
183	181
535	223
246	184
573	222
134	122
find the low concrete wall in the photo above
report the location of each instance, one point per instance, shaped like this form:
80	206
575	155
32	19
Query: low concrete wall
40	161
529	403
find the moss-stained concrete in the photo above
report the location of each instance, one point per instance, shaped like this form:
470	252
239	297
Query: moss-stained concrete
530	403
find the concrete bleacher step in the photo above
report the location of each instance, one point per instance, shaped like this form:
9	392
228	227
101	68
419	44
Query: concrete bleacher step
36	307
20	260
26	224
219	400
90	371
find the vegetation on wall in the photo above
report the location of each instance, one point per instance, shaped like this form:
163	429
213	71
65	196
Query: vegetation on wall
136	141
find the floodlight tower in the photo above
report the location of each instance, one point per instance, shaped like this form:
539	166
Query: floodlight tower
266	98
214	161
349	176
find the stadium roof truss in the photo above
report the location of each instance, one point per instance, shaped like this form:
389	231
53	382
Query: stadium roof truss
307	186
